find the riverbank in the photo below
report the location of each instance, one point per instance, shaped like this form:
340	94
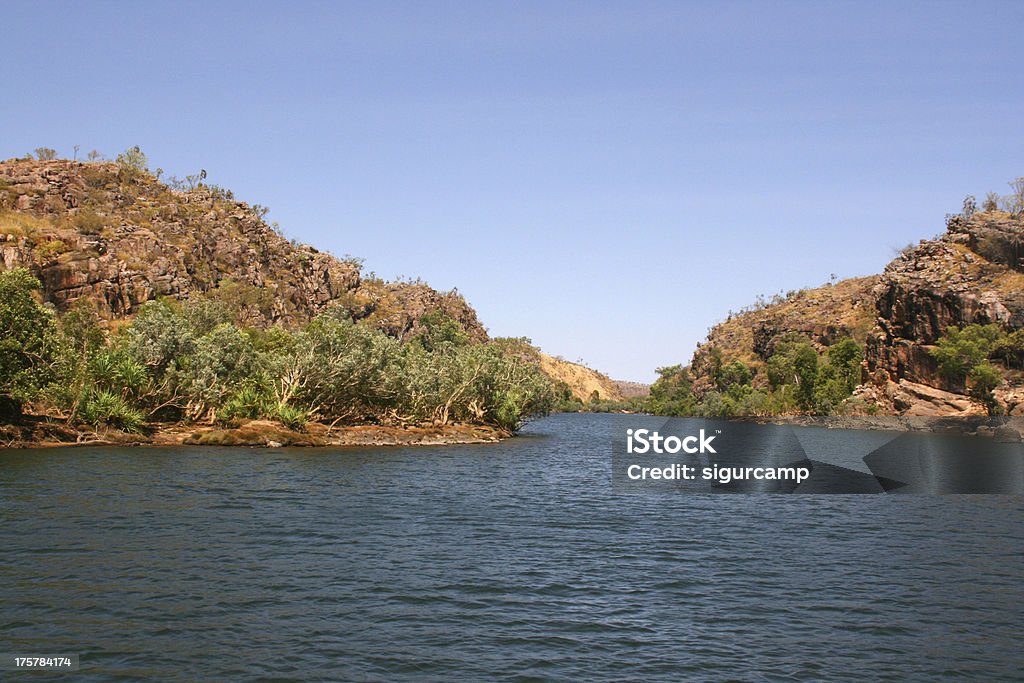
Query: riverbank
999	428
40	432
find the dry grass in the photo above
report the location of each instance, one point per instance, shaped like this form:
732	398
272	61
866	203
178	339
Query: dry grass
22	224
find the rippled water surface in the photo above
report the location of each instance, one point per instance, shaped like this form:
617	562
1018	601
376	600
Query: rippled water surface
515	561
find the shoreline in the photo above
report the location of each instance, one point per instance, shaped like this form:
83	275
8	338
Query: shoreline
38	432
1003	428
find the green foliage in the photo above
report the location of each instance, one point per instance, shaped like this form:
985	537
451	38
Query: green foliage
794	363
796	380
133	159
191	361
27	340
490	383
671	393
983	379
290	416
220	360
960	350
334	367
159	336
440	330
108	408
45	153
1010	349
249	402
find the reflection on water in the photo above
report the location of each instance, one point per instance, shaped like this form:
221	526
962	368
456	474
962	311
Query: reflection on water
480	562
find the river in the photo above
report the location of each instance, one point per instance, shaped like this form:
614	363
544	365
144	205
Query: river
510	561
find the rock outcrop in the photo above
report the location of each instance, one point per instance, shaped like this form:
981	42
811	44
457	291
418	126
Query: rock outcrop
120	237
972	274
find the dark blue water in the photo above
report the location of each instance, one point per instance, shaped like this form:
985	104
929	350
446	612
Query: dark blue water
515	561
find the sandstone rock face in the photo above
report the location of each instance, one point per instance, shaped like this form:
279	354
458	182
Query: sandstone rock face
943	283
121	238
974	273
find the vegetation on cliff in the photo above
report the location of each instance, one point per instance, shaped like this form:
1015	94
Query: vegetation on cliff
127	299
793	378
192	361
938	333
119	235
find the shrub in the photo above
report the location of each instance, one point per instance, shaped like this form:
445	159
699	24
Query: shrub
107	408
51	249
248	403
959	351
290	416
984	378
133	159
88	222
27	338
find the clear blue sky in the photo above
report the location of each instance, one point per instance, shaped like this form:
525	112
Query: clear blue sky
608	179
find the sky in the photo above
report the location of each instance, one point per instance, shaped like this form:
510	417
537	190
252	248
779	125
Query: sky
609	179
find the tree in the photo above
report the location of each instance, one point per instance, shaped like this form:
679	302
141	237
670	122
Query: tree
1015	200
984	378
133	159
440	329
27	331
970	206
958	351
671	392
794	362
45	153
221	360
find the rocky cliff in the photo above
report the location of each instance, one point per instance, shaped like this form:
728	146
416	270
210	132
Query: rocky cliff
120	237
974	273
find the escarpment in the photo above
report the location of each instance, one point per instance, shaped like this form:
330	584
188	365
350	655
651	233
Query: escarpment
120	237
973	274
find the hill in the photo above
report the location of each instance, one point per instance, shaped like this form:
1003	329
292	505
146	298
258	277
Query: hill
120	237
969	278
586	383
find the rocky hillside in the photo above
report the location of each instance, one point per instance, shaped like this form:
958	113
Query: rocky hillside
824	315
972	274
583	382
120	237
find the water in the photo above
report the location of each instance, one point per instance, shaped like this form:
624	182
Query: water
515	561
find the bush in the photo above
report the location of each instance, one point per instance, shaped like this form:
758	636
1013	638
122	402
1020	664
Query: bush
984	378
88	222
51	249
107	408
27	339
248	403
959	351
133	159
290	416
